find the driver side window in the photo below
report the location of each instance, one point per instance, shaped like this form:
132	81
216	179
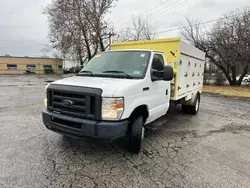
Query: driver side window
158	62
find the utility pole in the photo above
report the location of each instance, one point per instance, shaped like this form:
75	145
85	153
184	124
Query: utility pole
110	38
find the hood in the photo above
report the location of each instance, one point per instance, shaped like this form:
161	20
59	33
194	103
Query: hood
108	85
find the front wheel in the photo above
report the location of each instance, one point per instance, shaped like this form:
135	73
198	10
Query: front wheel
136	135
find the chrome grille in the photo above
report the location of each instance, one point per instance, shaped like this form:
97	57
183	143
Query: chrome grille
74	102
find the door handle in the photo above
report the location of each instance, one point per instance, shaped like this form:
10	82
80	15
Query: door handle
167	92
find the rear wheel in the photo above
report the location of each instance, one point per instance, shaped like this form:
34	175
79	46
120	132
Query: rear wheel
196	106
136	135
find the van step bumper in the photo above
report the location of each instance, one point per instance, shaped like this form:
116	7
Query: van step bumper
78	127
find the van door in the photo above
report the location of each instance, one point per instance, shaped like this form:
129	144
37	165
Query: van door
159	91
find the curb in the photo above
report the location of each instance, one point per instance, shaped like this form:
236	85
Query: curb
226	96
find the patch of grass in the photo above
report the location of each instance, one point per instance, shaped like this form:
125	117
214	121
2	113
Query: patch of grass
232	91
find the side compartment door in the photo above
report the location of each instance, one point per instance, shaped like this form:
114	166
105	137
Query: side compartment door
159	90
184	75
196	73
200	73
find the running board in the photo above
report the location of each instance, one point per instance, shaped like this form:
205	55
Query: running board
156	124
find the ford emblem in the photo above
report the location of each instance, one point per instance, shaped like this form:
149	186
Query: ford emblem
67	102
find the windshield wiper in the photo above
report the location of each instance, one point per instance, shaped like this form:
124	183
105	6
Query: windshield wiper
90	72
119	72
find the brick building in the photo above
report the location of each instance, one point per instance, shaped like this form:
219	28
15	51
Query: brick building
21	65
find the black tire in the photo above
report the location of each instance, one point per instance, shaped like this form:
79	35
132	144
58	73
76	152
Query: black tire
185	109
135	137
196	106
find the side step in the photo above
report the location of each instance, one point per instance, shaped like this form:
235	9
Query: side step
156	124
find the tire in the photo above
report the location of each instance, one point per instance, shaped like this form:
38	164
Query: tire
185	109
136	135
245	81
196	106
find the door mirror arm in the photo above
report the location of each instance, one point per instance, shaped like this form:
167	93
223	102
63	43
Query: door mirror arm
156	75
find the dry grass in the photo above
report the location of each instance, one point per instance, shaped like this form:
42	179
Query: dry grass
243	91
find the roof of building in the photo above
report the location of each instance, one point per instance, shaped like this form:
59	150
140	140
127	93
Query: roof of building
27	57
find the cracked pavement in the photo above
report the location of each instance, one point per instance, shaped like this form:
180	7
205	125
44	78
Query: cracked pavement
211	149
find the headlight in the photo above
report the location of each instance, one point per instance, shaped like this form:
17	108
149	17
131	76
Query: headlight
112	108
45	98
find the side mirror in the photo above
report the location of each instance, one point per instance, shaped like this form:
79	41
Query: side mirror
156	75
168	73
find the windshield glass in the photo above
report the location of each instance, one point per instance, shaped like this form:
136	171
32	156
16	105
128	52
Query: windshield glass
125	64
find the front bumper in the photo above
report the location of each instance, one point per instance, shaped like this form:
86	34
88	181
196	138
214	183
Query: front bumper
83	127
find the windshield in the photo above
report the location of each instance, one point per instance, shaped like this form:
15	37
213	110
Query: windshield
125	64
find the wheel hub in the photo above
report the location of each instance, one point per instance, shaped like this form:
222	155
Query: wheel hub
197	105
142	132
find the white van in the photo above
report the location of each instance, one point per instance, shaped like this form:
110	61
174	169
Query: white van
121	91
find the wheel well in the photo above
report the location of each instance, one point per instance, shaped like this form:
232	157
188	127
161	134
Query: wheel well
140	110
191	101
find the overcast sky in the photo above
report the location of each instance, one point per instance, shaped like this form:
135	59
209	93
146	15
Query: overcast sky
24	29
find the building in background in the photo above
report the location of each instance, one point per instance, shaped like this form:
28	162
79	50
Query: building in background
22	65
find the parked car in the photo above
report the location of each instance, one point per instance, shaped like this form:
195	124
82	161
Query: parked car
246	78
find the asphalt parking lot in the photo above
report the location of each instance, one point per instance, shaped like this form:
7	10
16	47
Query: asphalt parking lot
211	149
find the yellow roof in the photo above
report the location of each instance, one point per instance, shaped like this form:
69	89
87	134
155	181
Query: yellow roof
147	41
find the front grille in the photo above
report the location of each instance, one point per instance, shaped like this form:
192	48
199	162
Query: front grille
75	101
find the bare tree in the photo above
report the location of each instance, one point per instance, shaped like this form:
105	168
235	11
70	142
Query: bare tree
95	10
195	34
141	30
226	44
78	28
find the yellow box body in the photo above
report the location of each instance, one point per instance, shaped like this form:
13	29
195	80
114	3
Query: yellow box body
182	56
